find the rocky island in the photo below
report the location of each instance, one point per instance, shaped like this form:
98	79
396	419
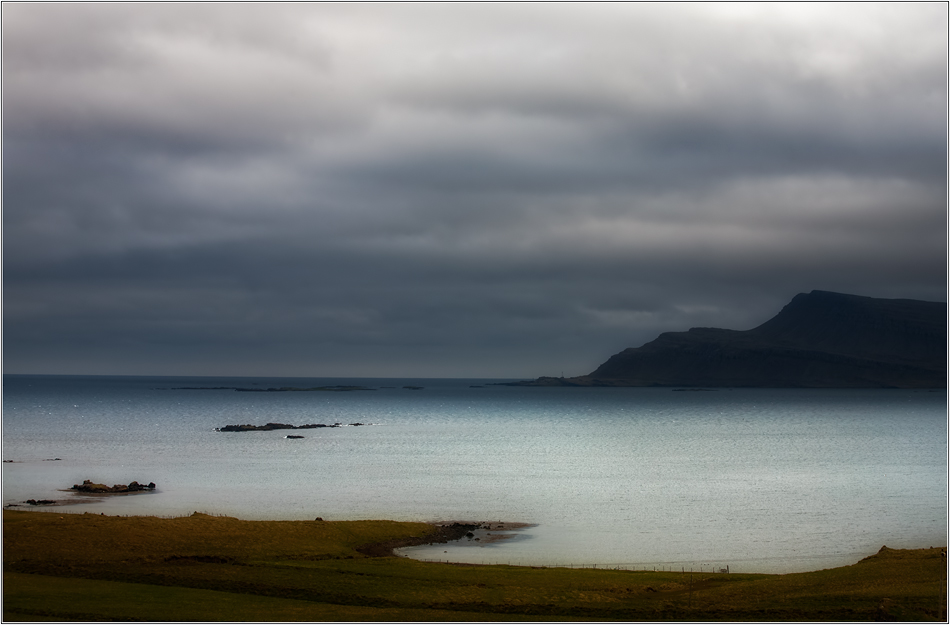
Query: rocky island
819	340
88	486
279	426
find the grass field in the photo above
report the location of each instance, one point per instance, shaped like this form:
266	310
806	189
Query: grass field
202	568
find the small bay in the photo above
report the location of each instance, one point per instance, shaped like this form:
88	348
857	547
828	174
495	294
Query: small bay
761	480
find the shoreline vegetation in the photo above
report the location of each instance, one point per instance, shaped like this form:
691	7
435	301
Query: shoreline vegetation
201	567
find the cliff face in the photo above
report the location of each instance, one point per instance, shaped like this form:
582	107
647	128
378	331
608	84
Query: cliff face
820	339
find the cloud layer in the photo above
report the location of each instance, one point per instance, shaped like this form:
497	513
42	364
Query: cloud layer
454	190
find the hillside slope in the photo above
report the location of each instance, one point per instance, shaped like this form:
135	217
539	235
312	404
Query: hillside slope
818	340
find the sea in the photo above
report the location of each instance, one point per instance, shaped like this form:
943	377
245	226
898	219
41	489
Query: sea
756	480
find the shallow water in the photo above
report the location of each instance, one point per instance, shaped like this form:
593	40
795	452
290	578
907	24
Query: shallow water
761	480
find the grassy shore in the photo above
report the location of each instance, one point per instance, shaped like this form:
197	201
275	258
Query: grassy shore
202	568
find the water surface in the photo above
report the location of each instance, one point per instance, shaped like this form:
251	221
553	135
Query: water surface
763	480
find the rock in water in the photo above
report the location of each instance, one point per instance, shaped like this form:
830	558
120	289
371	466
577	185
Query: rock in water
88	486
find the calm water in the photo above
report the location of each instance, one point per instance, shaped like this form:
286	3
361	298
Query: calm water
762	480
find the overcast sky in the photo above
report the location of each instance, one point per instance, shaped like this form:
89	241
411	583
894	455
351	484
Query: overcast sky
445	190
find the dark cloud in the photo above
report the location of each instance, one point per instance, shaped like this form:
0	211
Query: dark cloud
454	190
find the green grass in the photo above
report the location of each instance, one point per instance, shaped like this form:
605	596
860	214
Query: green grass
89	567
43	598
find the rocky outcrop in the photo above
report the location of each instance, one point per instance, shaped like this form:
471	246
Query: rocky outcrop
88	486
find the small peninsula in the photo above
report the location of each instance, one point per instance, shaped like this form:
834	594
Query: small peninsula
819	340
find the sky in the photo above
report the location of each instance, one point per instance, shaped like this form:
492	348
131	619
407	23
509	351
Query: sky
454	190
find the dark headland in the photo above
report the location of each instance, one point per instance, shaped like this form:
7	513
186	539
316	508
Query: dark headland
818	340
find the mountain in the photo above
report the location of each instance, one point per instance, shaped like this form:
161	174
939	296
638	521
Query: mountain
818	340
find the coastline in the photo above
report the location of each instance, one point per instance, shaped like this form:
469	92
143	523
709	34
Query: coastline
200	567
443	533
487	532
